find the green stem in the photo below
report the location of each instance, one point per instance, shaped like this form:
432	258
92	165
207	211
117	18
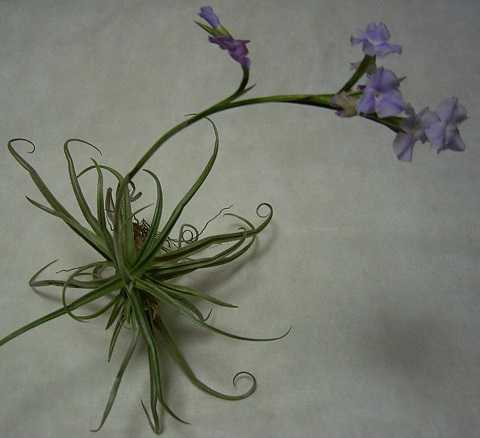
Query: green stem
220	106
362	68
318	100
304	99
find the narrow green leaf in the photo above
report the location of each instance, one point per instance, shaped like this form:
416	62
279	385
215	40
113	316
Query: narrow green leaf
156	217
116	332
141	209
160	274
110	206
77	190
197	294
206	28
102	220
121	236
181	205
114	172
198	263
54	203
118	379
155	424
99	312
177	355
34	283
66	285
156	290
244	338
117	308
206	242
186	303
80	230
147	333
85	299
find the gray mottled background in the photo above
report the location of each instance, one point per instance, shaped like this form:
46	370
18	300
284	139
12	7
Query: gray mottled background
373	262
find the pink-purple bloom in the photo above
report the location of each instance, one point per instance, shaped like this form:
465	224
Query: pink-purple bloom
374	41
381	94
207	13
442	128
237	49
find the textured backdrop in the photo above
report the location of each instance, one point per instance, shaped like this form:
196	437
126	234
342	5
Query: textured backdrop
373	262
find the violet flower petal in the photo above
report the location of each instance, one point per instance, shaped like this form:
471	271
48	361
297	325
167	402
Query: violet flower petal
374	41
450	110
457	144
368	48
428	118
436	135
207	13
383	80
384	49
377	32
237	49
366	104
381	94
441	128
390	104
413	130
403	146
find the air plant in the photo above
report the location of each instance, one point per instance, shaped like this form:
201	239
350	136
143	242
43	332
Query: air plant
145	259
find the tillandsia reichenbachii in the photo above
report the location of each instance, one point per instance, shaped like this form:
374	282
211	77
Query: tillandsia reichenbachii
144	258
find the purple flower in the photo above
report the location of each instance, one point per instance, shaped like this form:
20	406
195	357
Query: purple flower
220	36
236	48
381	94
206	12
442	130
374	41
413	130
